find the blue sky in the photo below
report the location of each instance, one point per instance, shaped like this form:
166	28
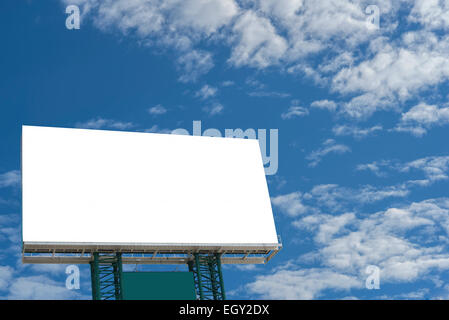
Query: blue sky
362	114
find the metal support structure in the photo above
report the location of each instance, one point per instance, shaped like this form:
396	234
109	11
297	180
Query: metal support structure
106	275
208	277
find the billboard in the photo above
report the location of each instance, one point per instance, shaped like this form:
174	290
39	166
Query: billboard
96	187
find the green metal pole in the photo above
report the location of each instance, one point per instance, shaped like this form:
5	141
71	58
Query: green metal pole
120	271
211	264
96	294
220	275
198	271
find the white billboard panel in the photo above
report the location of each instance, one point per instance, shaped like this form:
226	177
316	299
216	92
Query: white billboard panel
106	187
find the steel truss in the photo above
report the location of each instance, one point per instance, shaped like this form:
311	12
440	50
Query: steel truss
106	275
208	277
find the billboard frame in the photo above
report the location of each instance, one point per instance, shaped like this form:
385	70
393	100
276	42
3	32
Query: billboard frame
147	254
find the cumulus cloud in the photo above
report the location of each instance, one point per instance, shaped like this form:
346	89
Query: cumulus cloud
347	243
301	284
39	288
433	14
291	204
422	117
398	70
290	34
258	43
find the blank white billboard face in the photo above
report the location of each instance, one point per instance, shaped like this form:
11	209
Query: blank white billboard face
94	187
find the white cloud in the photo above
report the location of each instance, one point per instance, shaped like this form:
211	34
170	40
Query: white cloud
227	83
274	94
434	168
294	111
257	42
327	226
354	131
53	269
383	239
13	234
433	14
301	284
157	110
374	167
7	219
206	92
155	129
291	204
6	275
329	146
214	109
418	61
205	16
194	64
101	123
422	117
324	104
39	288
10	179
347	243
289	34
335	197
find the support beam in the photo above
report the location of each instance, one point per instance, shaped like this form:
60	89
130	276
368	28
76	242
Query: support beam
106	275
208	276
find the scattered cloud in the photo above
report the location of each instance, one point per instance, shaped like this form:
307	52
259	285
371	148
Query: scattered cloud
273	94
295	110
214	109
290	203
10	179
347	243
101	123
206	92
157	110
434	168
39	288
194	64
156	129
324	104
355	132
301	284
422	117
227	83
329	146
